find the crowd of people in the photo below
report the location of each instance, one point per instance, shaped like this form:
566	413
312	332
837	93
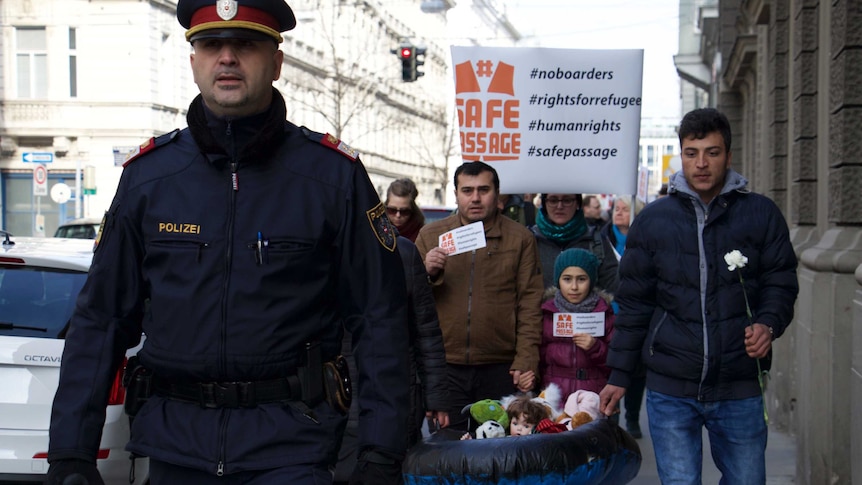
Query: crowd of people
241	377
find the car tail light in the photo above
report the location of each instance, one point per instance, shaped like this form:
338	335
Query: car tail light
8	259
118	392
101	455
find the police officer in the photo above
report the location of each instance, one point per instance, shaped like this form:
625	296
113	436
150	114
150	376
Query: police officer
238	246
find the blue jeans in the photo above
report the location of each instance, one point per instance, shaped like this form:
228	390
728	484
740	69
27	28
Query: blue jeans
737	437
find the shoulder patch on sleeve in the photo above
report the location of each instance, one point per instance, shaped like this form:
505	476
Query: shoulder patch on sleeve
382	226
149	146
339	146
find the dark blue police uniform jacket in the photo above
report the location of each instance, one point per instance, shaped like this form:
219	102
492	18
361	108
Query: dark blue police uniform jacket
183	232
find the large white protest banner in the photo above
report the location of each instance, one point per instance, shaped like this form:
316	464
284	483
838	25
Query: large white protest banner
551	120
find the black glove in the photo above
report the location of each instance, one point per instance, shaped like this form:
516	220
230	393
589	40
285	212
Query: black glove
376	468
73	472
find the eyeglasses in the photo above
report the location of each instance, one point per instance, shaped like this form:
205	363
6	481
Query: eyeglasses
564	202
401	212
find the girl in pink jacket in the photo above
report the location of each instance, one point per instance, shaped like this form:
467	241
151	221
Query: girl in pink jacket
574	348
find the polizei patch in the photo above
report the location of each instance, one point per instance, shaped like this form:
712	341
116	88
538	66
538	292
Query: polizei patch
382	226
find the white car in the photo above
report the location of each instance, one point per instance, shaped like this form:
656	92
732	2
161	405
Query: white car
84	228
40	279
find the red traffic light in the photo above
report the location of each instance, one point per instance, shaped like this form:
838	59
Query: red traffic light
406	52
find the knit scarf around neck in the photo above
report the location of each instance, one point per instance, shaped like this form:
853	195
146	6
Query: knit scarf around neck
410	230
569	231
586	306
620	239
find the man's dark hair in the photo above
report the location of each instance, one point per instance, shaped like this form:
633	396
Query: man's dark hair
475	168
701	122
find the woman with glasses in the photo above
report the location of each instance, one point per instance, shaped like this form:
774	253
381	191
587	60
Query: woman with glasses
402	209
560	225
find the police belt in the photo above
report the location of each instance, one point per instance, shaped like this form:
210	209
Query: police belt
230	394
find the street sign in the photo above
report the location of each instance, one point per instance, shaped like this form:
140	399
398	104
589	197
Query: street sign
40	180
38	157
60	193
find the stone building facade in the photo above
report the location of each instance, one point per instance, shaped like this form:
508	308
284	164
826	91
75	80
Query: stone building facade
83	82
789	77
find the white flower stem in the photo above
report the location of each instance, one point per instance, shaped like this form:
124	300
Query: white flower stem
760	373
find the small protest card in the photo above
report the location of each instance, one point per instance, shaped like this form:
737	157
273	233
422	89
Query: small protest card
568	324
463	239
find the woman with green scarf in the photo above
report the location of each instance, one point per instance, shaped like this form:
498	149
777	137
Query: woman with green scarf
560	225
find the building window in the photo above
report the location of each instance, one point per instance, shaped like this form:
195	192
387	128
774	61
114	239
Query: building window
32	62
73	63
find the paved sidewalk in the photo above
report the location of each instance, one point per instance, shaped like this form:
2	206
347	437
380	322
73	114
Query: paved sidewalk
780	458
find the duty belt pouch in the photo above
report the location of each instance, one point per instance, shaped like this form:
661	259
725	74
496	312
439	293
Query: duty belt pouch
137	380
336	381
311	375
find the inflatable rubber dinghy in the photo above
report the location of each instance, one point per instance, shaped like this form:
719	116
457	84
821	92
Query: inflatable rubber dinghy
595	453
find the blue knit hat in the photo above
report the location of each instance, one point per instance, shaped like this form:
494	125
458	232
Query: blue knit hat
577	257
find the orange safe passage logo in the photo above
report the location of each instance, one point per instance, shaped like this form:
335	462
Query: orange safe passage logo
488	120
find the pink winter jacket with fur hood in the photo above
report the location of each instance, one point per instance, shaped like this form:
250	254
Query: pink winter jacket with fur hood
569	366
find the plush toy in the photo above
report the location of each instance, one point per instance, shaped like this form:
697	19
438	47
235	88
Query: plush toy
490	429
581	408
578	419
488	410
581	400
551	397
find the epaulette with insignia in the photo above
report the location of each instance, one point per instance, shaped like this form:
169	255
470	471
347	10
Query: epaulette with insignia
149	146
330	141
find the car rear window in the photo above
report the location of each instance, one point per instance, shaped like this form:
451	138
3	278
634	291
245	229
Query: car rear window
37	302
435	214
77	232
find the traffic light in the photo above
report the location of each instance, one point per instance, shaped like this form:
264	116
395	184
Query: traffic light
407	53
411	58
420	60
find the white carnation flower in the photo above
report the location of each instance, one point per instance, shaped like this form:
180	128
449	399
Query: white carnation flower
735	260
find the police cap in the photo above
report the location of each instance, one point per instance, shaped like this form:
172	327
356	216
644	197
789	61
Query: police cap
239	19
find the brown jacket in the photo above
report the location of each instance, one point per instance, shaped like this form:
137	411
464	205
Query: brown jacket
489	300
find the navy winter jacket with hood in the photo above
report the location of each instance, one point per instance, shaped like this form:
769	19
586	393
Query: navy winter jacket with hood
682	310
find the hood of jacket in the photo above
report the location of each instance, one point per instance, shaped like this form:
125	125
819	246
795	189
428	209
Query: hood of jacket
733	181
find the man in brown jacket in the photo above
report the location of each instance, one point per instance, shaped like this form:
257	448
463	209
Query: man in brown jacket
488	300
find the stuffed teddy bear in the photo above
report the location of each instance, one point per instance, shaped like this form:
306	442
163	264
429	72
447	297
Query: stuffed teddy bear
578	419
581	408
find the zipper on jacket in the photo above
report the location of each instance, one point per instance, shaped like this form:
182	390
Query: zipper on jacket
655	332
201	247
222	357
179	243
234	178
222	432
470	303
702	213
